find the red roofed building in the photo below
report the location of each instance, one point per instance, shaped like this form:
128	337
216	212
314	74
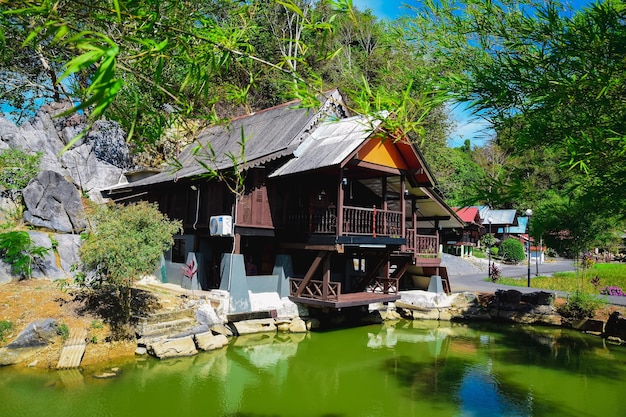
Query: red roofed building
461	241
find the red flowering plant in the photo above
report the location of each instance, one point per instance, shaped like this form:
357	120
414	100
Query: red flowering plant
190	269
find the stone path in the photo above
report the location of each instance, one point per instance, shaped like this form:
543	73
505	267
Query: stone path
74	349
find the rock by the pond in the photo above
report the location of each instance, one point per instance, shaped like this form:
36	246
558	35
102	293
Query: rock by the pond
37	334
205	314
114	372
222	329
173	348
255	326
297	326
209	341
14	356
615	326
54	203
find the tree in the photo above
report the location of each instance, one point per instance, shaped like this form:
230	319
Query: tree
126	243
550	79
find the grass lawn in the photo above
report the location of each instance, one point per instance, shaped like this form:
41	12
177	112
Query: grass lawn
608	274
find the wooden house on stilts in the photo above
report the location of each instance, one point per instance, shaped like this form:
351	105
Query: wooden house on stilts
333	213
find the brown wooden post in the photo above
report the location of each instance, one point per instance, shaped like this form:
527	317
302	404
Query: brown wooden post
414	214
340	204
385	206
374	222
403	209
307	278
326	278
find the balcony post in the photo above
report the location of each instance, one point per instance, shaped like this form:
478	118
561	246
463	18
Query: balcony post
403	205
385	206
326	277
340	193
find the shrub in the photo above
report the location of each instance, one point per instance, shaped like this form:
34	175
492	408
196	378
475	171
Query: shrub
512	250
495	251
17	250
63	331
126	243
494	272
580	305
5	327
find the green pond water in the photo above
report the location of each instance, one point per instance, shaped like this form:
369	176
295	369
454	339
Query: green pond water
399	369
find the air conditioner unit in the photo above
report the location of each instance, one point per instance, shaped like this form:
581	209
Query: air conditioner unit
221	226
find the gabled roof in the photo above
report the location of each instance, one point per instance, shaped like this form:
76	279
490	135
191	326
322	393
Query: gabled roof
498	217
269	134
336	143
469	215
329	145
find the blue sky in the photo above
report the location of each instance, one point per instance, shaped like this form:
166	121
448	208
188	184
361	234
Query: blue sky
475	129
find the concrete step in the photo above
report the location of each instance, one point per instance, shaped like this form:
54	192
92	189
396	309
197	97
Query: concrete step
167	316
166	327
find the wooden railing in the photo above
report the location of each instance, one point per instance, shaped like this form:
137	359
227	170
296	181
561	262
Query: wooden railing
422	245
315	289
383	285
356	221
371	222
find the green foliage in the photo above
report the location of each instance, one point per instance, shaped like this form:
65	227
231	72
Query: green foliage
512	250
96	324
5	327
551	83
581	305
13	217
494	251
610	275
17	250
479	253
126	243
63	331
488	240
17	168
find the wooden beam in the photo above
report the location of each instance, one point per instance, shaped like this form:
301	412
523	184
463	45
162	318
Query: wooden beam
326	277
372	274
435	218
401	270
309	274
375	167
308	246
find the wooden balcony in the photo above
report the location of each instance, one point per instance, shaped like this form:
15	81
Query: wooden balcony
315	293
357	221
423	246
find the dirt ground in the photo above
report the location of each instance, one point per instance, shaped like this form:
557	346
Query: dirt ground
22	302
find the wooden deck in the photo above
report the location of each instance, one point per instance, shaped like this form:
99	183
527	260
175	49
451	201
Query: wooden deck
347	300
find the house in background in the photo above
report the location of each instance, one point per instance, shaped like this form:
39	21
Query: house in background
462	241
497	222
332	212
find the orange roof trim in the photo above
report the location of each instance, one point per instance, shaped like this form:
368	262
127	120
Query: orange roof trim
382	152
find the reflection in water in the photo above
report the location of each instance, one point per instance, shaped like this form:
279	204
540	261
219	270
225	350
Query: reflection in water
402	368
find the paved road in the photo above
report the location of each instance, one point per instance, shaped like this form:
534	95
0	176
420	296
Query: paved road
470	276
